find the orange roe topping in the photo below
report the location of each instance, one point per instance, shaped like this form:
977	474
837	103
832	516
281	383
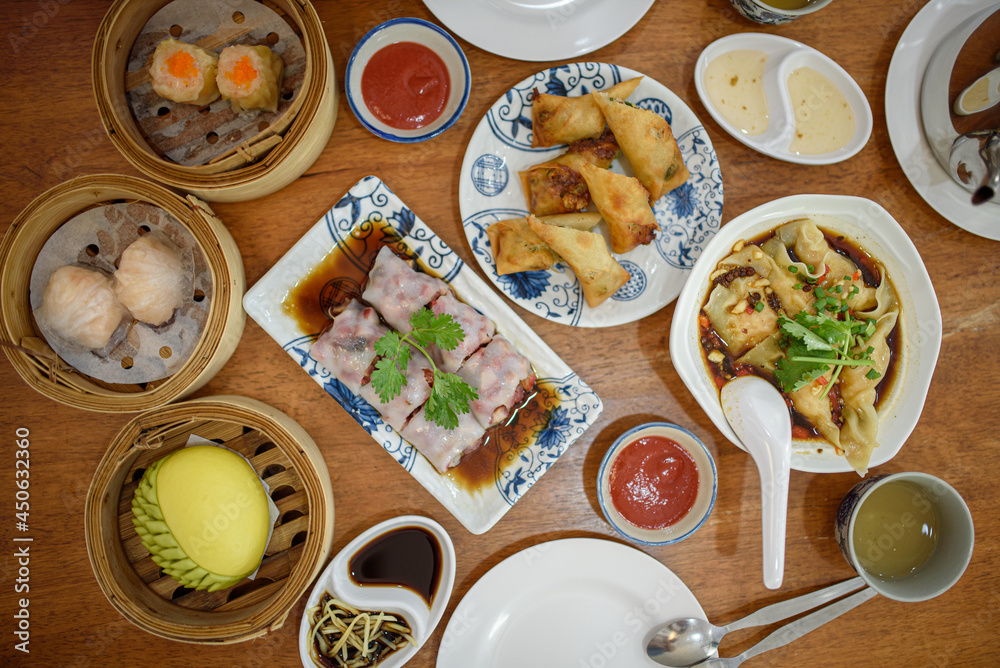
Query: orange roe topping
243	73
182	66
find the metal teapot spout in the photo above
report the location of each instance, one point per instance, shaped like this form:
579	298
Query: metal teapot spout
975	163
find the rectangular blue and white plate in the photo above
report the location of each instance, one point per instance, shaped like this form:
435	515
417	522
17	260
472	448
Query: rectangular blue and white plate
567	405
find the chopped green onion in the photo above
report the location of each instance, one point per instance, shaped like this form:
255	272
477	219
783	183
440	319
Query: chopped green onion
759	306
870	350
811	269
797	286
819	292
838	289
793	269
847	278
873	374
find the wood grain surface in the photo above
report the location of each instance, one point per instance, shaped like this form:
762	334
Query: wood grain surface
51	132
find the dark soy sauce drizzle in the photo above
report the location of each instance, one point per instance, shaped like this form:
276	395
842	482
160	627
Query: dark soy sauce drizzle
341	276
408	557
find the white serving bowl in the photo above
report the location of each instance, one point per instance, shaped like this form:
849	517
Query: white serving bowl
870	227
438	41
708	483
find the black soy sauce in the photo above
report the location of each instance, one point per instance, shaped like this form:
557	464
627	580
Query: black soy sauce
408	557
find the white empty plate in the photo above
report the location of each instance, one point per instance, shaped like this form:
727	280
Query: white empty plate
539	29
784	56
571	602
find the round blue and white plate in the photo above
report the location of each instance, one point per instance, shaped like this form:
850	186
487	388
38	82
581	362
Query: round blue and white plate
490	190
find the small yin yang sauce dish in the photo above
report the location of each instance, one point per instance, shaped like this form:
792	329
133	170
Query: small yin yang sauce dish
783	98
657	484
403	567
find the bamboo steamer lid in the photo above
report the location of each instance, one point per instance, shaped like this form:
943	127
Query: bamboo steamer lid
34	359
281	453
255	168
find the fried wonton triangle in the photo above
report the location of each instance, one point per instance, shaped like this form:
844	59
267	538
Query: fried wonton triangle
557	119
648	142
624	204
586	253
517	248
555	186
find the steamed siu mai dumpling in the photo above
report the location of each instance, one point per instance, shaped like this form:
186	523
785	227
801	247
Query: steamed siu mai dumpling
79	306
184	73
250	77
152	280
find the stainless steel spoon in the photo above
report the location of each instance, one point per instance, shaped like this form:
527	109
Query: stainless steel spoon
685	642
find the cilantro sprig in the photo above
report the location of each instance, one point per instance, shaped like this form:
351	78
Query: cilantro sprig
450	395
830	340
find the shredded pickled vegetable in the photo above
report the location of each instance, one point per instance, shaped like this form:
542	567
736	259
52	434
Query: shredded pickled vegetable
346	637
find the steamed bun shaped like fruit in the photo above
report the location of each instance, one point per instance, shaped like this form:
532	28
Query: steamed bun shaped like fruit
203	515
153	280
80	307
184	73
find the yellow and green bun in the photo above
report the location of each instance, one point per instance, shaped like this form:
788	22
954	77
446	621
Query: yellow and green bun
203	515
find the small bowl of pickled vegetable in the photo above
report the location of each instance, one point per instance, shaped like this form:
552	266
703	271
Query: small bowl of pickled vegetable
657	484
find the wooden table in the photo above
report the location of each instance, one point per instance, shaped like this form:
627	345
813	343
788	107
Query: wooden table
52	132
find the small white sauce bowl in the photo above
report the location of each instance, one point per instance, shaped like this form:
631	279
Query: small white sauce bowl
783	57
708	482
434	38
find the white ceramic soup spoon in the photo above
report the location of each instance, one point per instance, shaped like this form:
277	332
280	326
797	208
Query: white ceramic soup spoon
758	414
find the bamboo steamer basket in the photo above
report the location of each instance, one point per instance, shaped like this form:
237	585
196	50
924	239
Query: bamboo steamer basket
257	167
282	454
39	365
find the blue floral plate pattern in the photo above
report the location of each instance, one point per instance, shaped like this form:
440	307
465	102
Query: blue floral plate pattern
573	405
490	190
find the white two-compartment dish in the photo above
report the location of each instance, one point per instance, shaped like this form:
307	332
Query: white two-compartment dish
784	56
421	617
571	406
872	229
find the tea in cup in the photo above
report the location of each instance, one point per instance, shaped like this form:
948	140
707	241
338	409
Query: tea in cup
776	12
909	535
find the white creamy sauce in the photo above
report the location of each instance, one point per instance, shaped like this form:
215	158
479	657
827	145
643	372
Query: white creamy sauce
735	84
824	120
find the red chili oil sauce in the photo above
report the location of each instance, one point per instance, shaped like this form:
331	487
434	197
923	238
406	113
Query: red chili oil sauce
653	482
405	85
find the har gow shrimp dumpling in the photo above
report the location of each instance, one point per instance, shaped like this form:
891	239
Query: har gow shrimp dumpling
152	280
184	73
79	306
250	77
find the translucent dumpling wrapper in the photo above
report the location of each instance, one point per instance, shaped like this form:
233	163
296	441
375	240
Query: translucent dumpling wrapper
80	309
184	73
154	278
250	77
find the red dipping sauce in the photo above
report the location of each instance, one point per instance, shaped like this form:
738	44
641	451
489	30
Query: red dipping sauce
653	482
405	85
